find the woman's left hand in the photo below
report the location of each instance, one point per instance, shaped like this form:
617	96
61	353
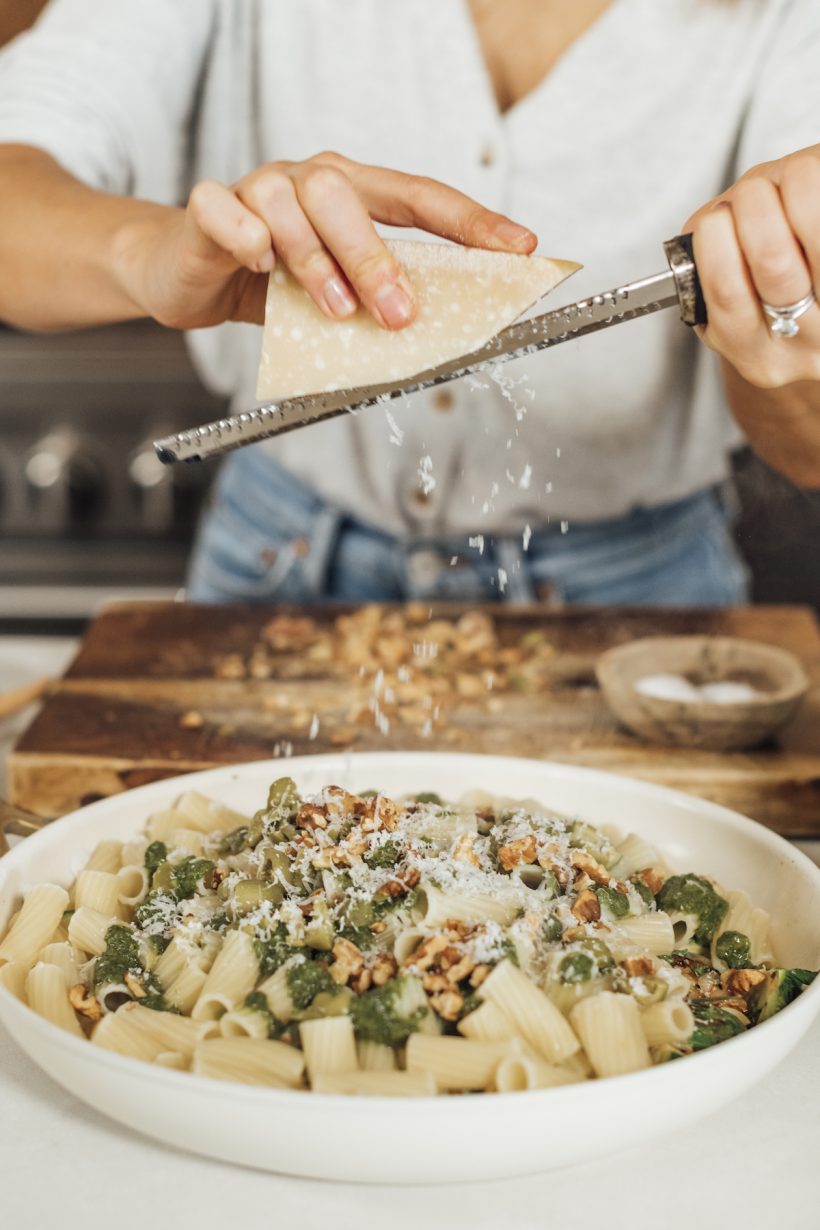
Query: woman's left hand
760	241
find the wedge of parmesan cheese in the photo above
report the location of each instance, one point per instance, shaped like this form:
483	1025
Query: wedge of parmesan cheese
466	295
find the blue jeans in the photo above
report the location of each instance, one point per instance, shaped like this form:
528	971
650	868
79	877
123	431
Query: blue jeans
267	536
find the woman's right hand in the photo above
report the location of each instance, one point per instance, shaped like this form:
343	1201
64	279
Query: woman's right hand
210	263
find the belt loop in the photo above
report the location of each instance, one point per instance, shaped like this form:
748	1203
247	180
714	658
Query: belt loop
510	557
324	539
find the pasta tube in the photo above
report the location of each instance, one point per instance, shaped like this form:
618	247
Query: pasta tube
533	1016
609	1025
34	926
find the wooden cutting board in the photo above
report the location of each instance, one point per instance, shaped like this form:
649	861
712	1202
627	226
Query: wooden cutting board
161	688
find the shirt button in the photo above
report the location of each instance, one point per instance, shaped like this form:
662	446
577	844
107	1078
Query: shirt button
443	399
487	156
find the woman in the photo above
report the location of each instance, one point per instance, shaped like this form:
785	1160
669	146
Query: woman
593	473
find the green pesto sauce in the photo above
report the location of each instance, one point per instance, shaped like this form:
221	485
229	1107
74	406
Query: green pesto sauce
153	998
734	949
158	907
616	902
576	967
155	854
384	856
692	894
158	943
274	951
189	874
120	957
257	1003
552	929
306	980
429	796
376	1019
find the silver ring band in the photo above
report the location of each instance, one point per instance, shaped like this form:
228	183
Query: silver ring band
783	320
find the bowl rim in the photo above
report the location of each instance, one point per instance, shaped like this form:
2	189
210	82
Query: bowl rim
608	675
808	1002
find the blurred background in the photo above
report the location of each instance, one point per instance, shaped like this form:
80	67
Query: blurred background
87	512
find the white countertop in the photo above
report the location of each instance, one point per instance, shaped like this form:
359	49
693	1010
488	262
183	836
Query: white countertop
755	1164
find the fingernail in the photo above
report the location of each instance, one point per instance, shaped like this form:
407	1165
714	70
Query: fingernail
512	233
266	261
339	299
394	305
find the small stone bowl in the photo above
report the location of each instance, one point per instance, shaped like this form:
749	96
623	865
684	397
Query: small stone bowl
703	659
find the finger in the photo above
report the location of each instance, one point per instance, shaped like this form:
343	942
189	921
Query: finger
732	301
343	223
774	257
800	193
218	224
271	195
398	199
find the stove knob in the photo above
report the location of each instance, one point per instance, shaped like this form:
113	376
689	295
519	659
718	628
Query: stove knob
65	479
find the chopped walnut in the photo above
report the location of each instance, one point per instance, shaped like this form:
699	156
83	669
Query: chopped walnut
449	956
392	888
348	961
461	969
547	859
427	952
378	927
339	802
435	982
653	879
411	876
478	975
742	981
379	813
586	907
583	861
383	968
517	852
448	1004
361	982
463	851
84	1004
343	855
311	817
638	967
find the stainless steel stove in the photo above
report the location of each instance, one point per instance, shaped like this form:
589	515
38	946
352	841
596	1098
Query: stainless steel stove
87	512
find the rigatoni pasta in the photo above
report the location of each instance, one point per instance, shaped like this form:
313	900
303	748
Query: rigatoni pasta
366	946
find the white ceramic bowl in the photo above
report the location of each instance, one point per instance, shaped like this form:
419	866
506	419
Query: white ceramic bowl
456	1138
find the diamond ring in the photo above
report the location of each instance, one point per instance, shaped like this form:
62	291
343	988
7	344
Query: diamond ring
783	320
